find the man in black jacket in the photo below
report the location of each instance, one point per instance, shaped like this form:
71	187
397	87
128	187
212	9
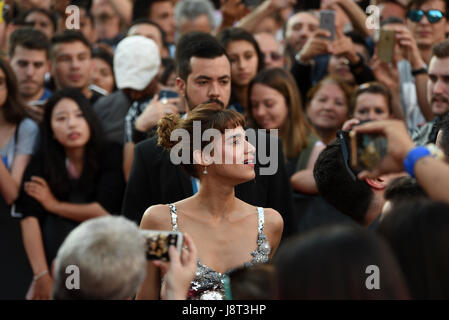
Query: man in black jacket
204	75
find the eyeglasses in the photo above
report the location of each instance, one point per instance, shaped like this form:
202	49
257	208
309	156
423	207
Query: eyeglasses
433	16
345	153
273	55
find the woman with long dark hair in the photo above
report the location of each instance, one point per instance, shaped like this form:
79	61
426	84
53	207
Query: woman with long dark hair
18	135
72	178
246	61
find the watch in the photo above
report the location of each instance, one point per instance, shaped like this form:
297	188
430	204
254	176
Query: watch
422	70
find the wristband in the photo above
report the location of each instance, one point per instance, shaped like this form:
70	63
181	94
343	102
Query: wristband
420	152
419	71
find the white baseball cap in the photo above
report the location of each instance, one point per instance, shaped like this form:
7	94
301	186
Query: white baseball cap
136	62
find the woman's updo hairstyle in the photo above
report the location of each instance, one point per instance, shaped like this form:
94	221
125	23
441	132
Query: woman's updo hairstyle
210	115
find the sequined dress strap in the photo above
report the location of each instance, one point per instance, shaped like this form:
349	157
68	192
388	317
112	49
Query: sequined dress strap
174	217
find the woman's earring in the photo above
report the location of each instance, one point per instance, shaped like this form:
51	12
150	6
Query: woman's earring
205	171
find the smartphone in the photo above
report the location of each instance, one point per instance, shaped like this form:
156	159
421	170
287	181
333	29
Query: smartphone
385	45
251	3
168	94
307	5
327	22
158	241
367	150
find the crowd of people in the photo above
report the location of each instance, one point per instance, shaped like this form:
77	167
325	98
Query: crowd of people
93	114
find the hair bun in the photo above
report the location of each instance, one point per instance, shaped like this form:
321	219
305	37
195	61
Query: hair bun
165	127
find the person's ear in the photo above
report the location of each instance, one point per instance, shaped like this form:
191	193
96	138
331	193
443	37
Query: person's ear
202	158
377	183
181	85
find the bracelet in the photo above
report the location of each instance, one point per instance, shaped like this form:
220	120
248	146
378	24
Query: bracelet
420	152
419	71
40	275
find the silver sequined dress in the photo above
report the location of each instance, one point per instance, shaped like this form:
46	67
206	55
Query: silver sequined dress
208	284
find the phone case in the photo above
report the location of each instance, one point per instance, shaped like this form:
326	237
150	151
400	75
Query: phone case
327	22
386	45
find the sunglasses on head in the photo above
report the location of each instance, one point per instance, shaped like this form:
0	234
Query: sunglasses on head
274	55
433	16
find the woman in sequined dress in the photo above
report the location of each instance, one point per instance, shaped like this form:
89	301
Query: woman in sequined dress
228	232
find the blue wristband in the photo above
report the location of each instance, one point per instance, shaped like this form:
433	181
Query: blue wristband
413	156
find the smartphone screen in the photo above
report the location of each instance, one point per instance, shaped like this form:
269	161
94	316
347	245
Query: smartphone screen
157	243
367	150
327	22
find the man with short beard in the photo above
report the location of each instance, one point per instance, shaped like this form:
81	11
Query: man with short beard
29	58
437	93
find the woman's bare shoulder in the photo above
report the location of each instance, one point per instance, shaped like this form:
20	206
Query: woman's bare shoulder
157	217
273	218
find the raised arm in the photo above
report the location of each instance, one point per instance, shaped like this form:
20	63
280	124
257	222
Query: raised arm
431	173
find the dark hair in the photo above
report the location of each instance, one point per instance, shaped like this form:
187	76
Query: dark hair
294	133
391	20
443	125
69	36
54	154
335	185
154	24
13	109
375	88
210	115
169	68
416	4
441	50
29	38
103	54
232	34
142	8
45	12
418	233
402	189
257	282
356	38
196	44
332	263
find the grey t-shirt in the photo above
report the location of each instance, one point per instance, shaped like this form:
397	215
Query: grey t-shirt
22	142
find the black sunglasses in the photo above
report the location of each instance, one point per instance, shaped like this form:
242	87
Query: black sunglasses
433	16
345	153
